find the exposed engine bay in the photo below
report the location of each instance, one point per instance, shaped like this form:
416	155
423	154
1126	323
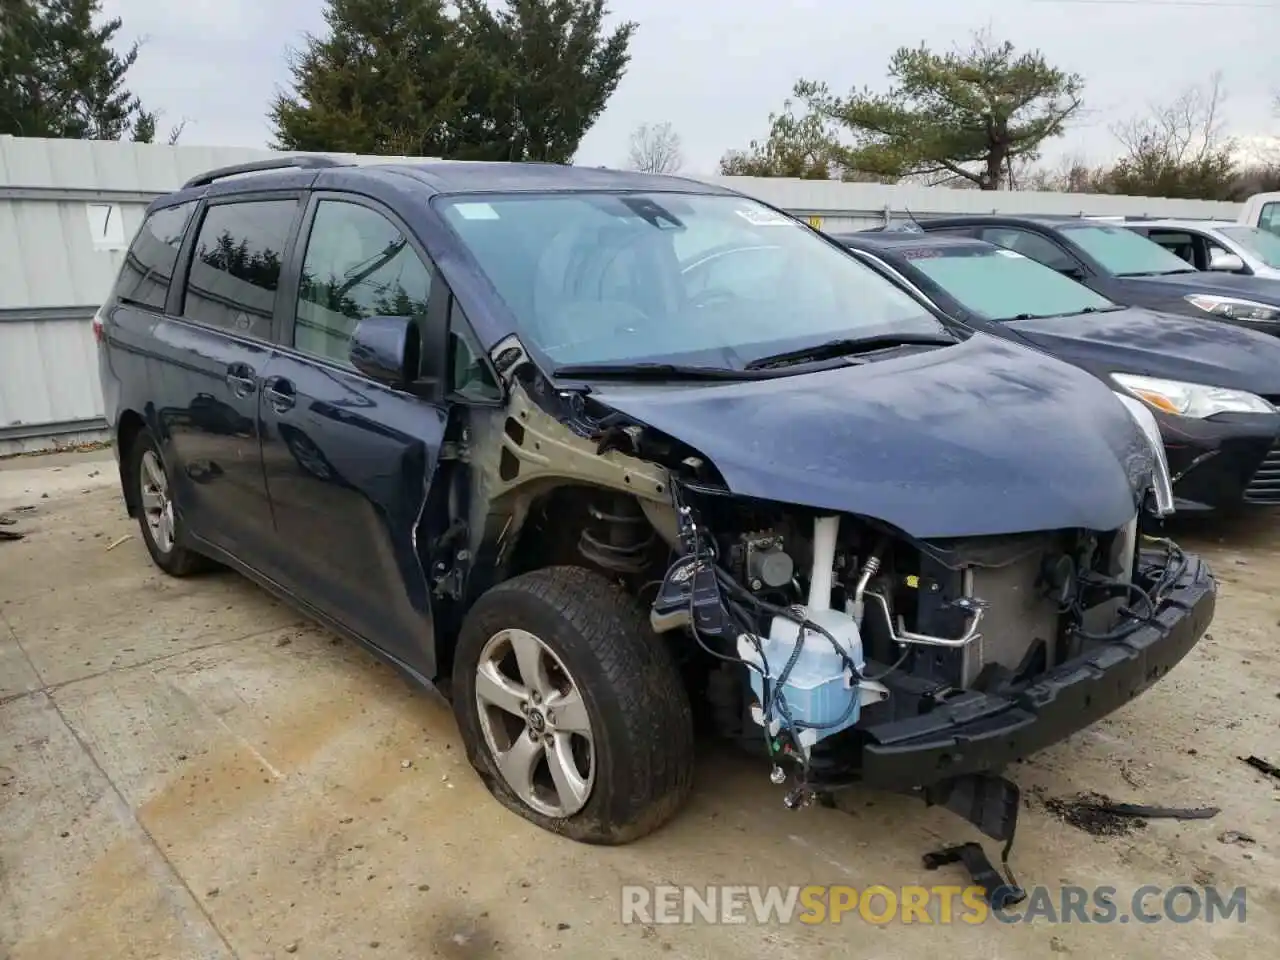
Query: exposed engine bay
834	625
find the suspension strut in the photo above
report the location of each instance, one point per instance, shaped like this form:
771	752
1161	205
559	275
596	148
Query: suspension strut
619	537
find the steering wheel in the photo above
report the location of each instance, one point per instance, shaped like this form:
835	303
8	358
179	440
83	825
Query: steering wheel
713	296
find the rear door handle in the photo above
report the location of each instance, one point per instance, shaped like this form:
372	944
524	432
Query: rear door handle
280	393
241	379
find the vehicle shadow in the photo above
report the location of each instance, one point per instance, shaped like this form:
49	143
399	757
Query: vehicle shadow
1245	530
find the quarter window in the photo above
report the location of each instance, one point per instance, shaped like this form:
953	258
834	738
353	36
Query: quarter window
358	264
235	269
470	375
148	266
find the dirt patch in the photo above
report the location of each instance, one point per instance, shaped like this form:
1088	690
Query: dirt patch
1088	812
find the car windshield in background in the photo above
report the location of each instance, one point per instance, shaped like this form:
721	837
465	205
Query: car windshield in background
1259	243
625	278
1125	253
1003	285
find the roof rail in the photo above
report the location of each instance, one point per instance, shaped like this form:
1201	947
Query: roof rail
304	162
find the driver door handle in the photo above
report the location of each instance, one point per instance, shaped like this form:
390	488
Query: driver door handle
240	378
280	393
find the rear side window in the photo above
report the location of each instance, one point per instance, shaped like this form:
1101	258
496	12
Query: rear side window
148	266
235	269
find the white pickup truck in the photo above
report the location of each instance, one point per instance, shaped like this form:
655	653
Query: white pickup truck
1262	210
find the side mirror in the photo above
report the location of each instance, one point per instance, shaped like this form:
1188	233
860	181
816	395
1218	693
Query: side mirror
1222	262
387	349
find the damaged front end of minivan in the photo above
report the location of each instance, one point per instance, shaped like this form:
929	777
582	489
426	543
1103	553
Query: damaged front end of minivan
887	603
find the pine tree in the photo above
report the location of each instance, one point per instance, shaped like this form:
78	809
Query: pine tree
382	81
62	77
405	77
539	74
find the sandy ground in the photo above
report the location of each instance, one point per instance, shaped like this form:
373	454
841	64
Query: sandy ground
188	769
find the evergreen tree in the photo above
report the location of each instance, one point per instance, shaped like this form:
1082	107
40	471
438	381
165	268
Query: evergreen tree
538	74
406	77
62	78
382	81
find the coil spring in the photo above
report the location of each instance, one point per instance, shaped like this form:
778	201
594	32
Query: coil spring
622	538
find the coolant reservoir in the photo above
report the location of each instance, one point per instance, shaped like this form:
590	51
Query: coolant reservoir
820	687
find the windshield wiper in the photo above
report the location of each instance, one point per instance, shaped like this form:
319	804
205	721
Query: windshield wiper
1159	273
651	371
1066	313
847	347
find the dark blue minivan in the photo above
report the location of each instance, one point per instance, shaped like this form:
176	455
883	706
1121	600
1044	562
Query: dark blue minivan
609	457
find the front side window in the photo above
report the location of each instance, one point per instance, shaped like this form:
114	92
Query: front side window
1181	244
1005	285
1258	243
1124	253
1269	218
358	264
712	280
235	269
148	266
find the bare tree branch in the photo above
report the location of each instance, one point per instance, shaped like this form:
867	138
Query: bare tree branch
655	149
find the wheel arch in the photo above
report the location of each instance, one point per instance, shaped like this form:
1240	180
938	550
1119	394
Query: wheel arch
130	425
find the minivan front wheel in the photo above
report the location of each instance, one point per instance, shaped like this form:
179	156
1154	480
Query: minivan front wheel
158	517
571	709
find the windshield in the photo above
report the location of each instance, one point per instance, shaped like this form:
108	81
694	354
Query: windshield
1125	253
674	278
1004	285
1258	243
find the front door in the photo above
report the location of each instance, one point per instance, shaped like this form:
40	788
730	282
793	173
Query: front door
214	358
348	461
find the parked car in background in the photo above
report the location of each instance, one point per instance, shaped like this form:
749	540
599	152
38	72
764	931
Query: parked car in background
1213	389
1124	267
598	449
1218	245
1262	210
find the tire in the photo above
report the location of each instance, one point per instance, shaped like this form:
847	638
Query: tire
168	553
639	770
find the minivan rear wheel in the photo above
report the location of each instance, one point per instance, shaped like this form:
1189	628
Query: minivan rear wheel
571	709
158	516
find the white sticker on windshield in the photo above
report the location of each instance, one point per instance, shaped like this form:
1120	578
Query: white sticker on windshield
476	211
763	217
1010	253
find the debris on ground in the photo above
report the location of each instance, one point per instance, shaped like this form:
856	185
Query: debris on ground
1102	817
1087	812
115	543
1263	766
1236	837
1161	813
6	521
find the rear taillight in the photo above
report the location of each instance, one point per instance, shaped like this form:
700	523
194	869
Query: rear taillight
98	333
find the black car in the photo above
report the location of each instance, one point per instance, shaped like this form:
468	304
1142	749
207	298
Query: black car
1213	389
1125	267
602	452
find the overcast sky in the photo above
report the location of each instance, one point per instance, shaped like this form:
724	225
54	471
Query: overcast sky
716	68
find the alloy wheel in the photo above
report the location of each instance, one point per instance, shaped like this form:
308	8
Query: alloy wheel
535	723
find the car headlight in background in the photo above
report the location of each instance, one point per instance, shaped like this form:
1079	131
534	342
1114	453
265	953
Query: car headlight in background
1191	399
1161	481
1233	308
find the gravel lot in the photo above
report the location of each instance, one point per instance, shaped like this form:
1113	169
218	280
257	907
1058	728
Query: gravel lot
188	769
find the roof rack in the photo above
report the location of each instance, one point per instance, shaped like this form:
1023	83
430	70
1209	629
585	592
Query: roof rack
306	162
